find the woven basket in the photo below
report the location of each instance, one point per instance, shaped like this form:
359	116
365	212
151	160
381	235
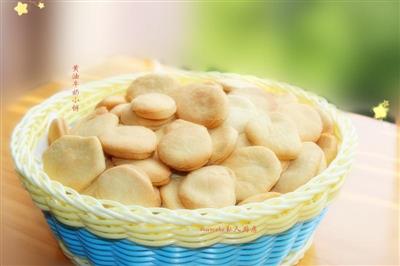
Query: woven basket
103	232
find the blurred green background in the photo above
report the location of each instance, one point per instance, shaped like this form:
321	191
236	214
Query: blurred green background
346	52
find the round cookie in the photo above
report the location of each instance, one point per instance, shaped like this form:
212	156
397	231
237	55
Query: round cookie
242	141
260	197
111	101
329	145
109	163
202	103
208	187
154	106
95	125
128	117
160	133
276	132
327	122
176	124
169	194
322	166
241	110
74	161
285	98
117	110
231	84
98	111
158	173
129	142
185	148
264	101
257	169
302	169
58	128
127	185
306	118
90	190
284	165
158	196
155	82
224	140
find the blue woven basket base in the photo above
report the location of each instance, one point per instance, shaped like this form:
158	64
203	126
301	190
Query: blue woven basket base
266	250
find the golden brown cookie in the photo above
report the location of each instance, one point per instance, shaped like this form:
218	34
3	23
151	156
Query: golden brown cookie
155	82
241	110
322	166
158	196
111	101
284	165
260	197
306	118
128	117
158	172
95	125
177	123
128	185
129	142
329	145
285	98
302	169
98	111
208	187
117	110
264	101
91	189
155	106
257	169
224	140
109	163
74	161
276	132
327	122
160	133
230	84
242	141
169	194
185	148
57	129
203	104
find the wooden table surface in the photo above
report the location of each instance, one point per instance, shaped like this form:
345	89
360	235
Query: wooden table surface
360	228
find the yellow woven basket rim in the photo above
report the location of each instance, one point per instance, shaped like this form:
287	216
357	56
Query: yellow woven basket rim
33	126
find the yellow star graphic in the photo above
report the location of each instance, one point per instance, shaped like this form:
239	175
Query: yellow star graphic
381	110
41	5
21	8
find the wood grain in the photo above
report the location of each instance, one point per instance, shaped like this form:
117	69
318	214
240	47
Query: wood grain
360	228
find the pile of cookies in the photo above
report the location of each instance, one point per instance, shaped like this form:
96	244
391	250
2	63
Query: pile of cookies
208	144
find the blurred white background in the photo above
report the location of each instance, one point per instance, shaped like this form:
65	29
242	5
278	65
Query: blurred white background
347	52
44	44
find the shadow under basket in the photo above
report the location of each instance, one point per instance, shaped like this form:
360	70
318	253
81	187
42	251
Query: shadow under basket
85	248
92	231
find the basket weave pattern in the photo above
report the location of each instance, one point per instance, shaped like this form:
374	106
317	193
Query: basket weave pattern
88	249
160	226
